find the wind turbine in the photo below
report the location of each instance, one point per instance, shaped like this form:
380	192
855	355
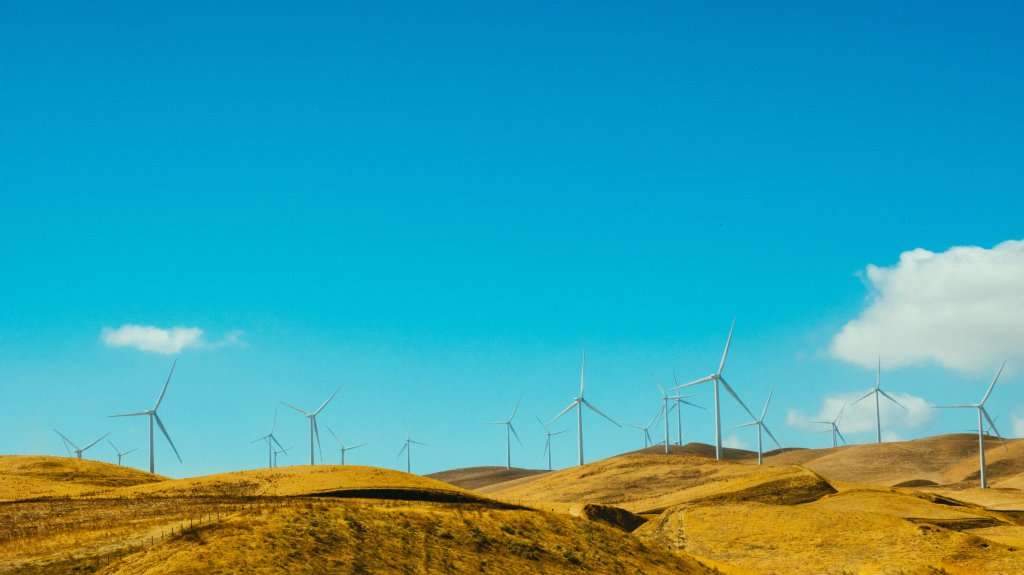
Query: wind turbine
119	454
982	417
646	429
547	444
835	428
341	446
578	404
759	422
270	439
407	449
284	451
718	379
878	409
154	417
508	438
78	450
313	429
679	400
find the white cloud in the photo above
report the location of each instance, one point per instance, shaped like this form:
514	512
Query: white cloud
1018	427
735	442
860	417
164	341
962	308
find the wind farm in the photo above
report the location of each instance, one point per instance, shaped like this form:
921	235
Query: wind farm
425	226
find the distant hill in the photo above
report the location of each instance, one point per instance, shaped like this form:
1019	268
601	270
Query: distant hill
479	477
33	476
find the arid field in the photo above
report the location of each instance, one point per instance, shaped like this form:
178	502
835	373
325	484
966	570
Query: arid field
910	507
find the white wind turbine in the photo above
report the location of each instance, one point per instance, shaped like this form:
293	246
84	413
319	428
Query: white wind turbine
154	417
835	428
718	379
508	438
547	443
878	408
759	422
270	439
982	417
78	450
341	446
679	401
646	429
119	453
284	451
578	404
313	429
407	450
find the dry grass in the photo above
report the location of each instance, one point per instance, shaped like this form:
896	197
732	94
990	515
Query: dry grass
34	476
477	478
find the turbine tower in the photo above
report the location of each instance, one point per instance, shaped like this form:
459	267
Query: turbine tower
313	429
982	417
759	422
341	446
578	404
407	449
547	444
835	428
284	451
270	439
508	438
154	417
119	453
78	450
878	408
718	379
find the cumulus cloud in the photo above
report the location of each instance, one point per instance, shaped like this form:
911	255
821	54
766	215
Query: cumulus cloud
962	308
735	442
164	341
860	417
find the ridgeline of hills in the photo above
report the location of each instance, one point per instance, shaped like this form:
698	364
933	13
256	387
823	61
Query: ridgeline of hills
905	507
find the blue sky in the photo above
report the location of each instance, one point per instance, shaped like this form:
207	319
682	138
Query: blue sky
439	207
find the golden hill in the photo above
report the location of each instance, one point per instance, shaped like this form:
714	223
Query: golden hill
648	483
321	519
941	460
480	477
33	476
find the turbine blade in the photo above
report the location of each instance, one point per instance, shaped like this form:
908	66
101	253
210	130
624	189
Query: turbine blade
418	443
95	442
324	404
695	382
513	430
878	376
658	383
989	392
357	445
115	447
736	397
725	354
541	423
560	432
583	371
299	409
744	425
693	404
404	447
335	436
164	430
130	414
953	406
514	410
129	451
840	434
993	426
547	446
892	399
316	432
566	410
769	432
166	383
765	410
865	396
598	411
274	439
274	426
71	443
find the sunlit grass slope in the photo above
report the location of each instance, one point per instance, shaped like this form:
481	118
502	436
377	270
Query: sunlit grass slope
326	536
32	476
648	483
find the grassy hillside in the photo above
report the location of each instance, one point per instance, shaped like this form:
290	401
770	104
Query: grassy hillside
32	476
477	478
